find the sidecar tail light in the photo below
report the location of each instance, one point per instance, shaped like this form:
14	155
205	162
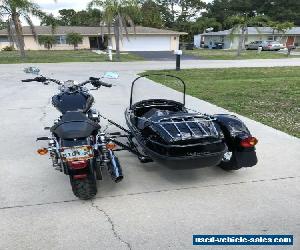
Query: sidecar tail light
249	142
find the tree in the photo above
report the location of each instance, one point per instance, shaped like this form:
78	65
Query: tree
276	10
188	9
47	40
90	17
14	10
203	23
74	39
66	17
69	17
279	10
2	24
118	14
151	15
279	27
240	24
165	13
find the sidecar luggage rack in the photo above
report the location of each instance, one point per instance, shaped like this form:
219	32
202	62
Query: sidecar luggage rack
186	124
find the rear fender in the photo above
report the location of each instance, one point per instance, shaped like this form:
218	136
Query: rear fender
234	131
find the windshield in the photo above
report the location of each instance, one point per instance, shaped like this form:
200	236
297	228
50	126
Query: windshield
157	86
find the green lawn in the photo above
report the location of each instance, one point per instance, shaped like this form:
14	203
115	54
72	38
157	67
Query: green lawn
218	54
268	95
53	56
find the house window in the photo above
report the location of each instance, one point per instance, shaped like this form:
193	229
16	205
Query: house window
61	40
4	39
275	38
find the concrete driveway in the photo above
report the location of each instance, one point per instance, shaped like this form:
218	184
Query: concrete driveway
154	207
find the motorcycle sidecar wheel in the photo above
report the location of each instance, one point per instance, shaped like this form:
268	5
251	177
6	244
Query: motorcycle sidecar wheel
84	189
230	162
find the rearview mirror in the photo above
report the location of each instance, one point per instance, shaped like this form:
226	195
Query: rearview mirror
32	70
111	75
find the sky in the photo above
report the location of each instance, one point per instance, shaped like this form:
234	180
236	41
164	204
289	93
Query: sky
51	7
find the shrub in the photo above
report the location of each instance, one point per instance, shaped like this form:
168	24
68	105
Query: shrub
8	48
74	39
47	41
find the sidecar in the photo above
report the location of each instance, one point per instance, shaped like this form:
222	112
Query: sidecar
166	131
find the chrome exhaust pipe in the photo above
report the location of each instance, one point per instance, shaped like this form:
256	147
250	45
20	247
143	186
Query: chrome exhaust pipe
114	168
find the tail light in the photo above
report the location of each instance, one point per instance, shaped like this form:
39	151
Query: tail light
248	142
77	164
270	45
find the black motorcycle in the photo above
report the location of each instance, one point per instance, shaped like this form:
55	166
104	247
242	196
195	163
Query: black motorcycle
77	146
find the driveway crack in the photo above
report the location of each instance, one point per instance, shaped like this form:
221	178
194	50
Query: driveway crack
113	227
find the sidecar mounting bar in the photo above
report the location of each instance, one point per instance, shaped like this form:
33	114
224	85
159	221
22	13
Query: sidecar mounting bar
116	124
127	148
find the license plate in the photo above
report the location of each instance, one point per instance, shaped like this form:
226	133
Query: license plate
77	153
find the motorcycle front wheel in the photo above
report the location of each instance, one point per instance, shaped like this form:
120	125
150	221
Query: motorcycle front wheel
86	188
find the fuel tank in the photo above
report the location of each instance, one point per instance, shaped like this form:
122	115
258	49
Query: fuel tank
77	101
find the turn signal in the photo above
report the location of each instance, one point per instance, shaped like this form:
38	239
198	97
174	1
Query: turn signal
249	142
111	146
42	151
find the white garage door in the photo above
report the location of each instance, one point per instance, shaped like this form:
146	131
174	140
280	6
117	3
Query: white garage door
146	43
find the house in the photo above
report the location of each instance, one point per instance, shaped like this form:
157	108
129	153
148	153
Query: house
230	39
140	38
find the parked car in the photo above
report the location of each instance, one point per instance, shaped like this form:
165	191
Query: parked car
272	45
254	45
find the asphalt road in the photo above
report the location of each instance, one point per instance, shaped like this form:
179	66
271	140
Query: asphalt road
154	207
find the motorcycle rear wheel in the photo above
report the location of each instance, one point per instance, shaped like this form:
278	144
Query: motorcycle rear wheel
84	189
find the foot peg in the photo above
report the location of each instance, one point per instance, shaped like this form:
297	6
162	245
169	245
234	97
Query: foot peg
42	138
144	159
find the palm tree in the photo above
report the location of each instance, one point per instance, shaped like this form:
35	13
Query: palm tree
118	14
240	24
13	10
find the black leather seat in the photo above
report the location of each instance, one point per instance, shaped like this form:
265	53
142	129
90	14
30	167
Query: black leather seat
74	125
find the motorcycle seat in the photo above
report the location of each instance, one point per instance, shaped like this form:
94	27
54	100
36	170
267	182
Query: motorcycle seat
74	125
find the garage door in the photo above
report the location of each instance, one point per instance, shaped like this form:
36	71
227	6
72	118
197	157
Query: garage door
146	43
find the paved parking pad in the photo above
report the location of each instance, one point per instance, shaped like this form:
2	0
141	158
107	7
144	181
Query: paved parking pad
154	207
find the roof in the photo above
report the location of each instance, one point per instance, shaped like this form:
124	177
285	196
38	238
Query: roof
63	30
254	31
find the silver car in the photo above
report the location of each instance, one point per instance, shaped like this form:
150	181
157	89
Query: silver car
272	45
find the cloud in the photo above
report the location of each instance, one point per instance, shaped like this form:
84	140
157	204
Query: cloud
51	6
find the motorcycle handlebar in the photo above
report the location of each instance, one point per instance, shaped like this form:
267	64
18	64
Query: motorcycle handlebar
108	85
98	83
41	79
28	80
93	80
